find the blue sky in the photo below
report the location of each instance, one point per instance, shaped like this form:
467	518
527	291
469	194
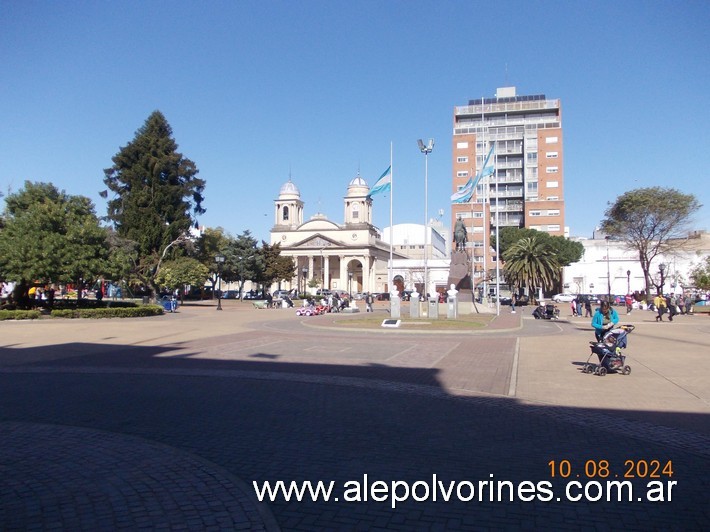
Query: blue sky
256	89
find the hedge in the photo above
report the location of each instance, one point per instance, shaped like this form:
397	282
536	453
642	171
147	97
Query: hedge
113	312
19	314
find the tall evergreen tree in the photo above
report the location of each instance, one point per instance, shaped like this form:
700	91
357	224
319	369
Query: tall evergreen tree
156	192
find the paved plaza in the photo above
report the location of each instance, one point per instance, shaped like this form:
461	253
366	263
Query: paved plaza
166	422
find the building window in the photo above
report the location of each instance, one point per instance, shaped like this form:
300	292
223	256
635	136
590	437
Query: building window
553	212
356	211
552	169
461	145
532	158
461	159
550	140
478	215
462	173
553	198
553	227
532	188
551	155
285	214
552	184
535	213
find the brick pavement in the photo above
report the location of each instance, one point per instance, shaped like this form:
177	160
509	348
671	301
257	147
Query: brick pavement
266	398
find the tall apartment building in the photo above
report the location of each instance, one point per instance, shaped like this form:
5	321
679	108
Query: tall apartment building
527	187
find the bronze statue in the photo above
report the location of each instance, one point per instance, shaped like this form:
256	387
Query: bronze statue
460	235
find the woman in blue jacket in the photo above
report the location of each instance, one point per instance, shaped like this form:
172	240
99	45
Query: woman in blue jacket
604	319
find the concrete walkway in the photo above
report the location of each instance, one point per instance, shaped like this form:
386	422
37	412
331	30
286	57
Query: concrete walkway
166	422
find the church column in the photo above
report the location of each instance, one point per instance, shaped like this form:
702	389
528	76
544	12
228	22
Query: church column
311	270
326	271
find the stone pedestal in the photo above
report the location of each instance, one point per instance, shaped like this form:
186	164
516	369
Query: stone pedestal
433	308
414	305
395	306
452	308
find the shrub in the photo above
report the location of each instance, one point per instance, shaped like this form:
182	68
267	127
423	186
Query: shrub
113	312
19	314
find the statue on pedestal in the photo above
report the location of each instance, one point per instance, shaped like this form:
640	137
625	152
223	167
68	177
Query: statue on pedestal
460	235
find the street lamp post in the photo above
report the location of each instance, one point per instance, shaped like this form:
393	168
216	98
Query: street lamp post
304	271
219	259
350	284
426	150
608	272
662	269
628	281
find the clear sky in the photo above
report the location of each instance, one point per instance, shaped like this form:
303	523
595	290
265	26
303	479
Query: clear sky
258	90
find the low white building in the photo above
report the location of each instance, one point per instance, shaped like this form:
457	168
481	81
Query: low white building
608	266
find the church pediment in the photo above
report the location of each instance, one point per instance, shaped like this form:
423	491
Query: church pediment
317	242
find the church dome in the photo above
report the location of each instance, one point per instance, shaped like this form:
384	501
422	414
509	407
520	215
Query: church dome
358	187
289	189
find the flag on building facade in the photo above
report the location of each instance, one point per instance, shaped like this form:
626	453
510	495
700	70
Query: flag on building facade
383	184
464	195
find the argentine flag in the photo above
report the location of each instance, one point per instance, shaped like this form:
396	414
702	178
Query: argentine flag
383	184
464	195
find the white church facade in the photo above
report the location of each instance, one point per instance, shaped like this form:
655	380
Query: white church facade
349	257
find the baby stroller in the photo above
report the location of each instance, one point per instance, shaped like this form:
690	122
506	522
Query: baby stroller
609	353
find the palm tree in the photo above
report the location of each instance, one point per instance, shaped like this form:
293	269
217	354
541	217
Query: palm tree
531	262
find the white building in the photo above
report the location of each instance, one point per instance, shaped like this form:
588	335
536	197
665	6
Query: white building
608	266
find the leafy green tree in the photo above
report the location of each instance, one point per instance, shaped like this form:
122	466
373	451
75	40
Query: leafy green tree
700	275
50	236
183	271
650	221
274	266
157	194
531	262
242	260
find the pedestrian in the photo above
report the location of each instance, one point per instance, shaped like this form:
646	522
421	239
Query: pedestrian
513	301
629	303
604	320
660	303
573	304
587	307
368	302
671	304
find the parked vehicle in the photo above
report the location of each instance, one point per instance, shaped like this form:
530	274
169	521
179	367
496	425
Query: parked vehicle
563	298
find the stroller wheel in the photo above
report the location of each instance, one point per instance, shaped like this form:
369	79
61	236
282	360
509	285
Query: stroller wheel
602	371
627	370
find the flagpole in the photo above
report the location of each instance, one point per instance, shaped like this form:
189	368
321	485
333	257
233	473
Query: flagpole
485	228
390	280
495	169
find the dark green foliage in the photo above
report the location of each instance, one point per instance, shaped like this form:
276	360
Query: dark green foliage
156	192
112	312
50	236
531	262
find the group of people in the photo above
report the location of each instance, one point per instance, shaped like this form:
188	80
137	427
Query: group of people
581	303
671	304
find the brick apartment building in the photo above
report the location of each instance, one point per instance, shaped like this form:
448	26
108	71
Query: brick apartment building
527	188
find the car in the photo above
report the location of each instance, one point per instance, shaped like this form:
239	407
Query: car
323	292
230	294
384	296
563	298
279	294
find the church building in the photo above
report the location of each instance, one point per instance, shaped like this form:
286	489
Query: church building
349	257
